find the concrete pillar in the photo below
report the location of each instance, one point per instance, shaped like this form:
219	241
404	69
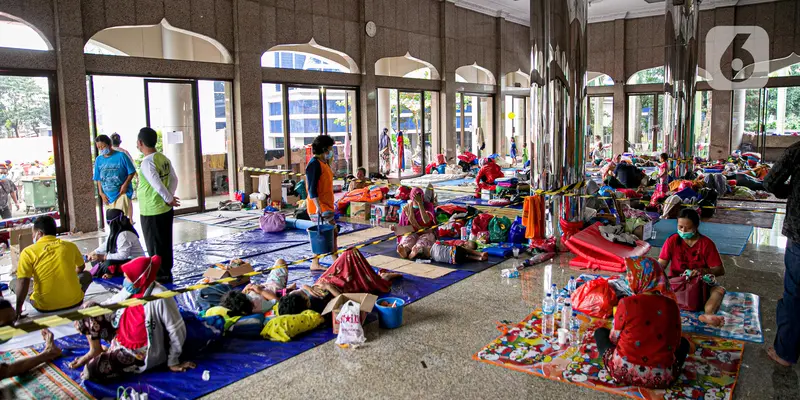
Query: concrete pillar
620	101
248	107
739	97
447	101
74	117
680	75
174	104
369	95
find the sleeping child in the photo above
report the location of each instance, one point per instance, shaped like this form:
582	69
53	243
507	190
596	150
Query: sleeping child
265	296
454	252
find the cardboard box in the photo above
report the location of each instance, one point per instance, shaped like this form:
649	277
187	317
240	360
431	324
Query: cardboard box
235	271
19	240
365	300
644	232
486	195
379	211
261	204
359	211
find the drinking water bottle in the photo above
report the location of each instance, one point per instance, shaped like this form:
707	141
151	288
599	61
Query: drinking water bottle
571	285
566	313
575	330
548	315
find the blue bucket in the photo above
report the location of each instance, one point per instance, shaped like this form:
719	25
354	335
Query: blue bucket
321	238
390	317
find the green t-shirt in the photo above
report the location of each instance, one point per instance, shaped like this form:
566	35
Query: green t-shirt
150	202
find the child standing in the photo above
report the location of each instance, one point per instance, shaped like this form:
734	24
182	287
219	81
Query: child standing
663	169
513	152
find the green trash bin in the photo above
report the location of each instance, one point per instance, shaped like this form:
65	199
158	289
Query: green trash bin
40	194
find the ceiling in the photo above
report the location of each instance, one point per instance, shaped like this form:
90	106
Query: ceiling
599	10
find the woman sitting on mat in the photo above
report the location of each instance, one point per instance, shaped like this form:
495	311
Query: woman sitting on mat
645	347
121	246
417	214
350	273
688	250
142	338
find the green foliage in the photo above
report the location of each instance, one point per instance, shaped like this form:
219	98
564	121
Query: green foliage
24	106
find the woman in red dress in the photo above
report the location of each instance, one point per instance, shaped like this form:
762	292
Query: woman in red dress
645	347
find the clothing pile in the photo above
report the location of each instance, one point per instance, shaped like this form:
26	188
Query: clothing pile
617	234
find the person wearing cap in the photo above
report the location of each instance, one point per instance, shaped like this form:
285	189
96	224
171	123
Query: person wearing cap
7	190
140	337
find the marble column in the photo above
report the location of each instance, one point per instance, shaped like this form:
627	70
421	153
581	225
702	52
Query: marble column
248	107
447	101
370	136
74	117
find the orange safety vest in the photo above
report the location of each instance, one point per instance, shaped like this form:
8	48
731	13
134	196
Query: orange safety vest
324	190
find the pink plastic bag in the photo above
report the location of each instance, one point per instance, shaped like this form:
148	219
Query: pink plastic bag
272	222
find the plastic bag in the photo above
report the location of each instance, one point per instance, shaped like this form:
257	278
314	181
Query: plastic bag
517	232
595	298
481	223
498	229
350	330
272	222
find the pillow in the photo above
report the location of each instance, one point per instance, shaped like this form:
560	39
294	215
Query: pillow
284	327
248	327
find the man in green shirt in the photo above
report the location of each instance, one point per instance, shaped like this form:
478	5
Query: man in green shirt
156	194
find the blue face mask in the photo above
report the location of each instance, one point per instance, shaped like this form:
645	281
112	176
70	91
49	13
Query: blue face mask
128	286
686	235
104	152
3	176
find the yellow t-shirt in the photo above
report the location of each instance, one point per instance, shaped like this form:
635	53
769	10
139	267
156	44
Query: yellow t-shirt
51	262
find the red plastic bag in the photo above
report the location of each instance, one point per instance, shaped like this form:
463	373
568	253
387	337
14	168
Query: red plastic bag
691	293
595	298
403	193
481	223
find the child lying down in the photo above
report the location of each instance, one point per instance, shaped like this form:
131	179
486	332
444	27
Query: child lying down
262	297
454	252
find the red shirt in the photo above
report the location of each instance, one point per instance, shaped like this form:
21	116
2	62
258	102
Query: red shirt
647	328
681	257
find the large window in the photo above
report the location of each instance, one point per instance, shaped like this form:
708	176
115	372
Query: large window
601	119
771	120
702	123
28	144
310	112
645	121
409	118
474	124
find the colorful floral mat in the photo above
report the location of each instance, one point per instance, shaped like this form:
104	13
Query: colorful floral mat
46	382
710	372
741	312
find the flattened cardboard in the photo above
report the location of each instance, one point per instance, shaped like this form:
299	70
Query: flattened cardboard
235	272
427	271
360	211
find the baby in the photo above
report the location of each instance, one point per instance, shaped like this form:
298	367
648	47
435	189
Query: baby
454	252
265	296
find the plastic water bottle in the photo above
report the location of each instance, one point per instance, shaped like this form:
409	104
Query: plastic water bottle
206	375
571	285
566	314
575	329
559	303
548	315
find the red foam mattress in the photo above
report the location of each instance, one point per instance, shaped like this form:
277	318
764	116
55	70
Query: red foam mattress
595	252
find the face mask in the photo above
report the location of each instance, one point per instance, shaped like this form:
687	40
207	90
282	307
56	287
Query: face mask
128	286
330	155
686	235
3	176
104	152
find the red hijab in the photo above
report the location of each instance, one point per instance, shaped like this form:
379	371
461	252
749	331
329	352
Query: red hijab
132	333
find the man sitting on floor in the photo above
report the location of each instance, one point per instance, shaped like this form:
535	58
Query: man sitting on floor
486	176
56	267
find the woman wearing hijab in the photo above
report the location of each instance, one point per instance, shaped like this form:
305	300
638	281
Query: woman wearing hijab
417	214
121	246
645	347
144	337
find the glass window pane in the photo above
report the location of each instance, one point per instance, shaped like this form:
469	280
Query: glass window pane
304	124
274	152
27	141
645	118
601	121
216	133
341	126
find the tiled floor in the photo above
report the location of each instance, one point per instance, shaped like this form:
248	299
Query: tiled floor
430	355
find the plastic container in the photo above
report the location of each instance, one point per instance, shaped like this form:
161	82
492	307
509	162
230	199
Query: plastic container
548	316
321	238
390	317
442	169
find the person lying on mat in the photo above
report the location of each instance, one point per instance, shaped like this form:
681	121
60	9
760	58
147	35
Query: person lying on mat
140	337
28	364
688	250
351	273
454	253
644	347
121	246
265	296
416	214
